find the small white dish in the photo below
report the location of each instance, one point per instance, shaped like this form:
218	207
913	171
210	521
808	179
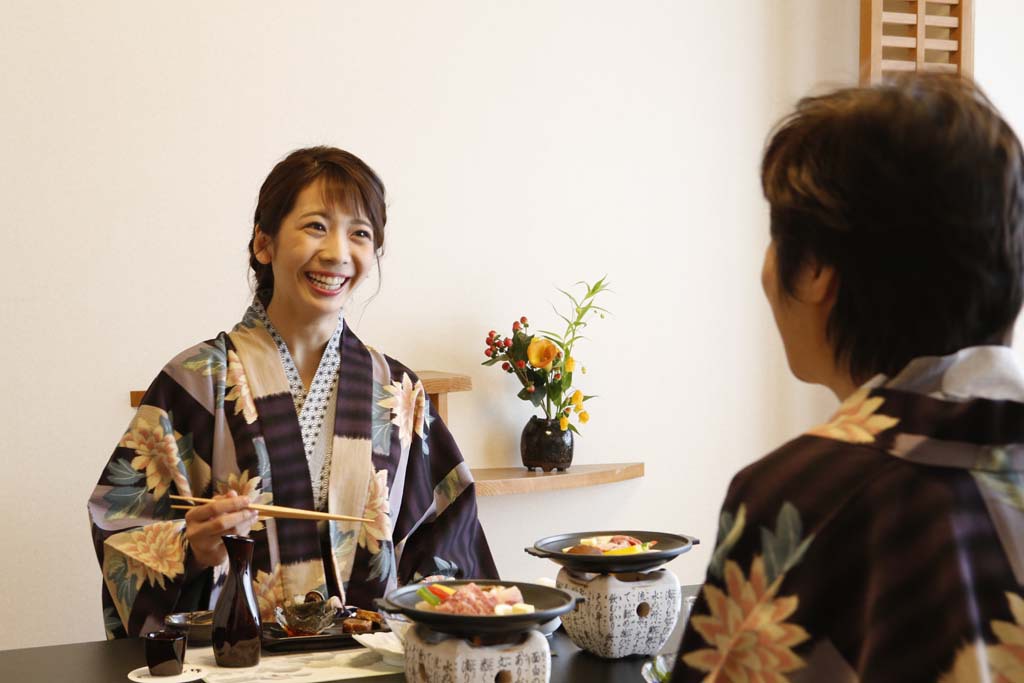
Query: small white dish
386	644
189	672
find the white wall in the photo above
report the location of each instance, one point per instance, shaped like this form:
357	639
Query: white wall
524	145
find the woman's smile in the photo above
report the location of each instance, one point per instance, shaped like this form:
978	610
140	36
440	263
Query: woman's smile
326	283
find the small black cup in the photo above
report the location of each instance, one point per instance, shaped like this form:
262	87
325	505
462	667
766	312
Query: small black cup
165	652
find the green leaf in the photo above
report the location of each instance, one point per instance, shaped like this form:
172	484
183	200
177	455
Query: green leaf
382	565
491	361
122	473
730	529
536	398
263	464
443	567
125	582
111	622
571	297
573	429
125	501
209	361
166	423
770	552
380	423
555	391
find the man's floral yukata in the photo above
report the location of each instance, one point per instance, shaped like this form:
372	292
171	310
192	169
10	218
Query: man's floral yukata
884	546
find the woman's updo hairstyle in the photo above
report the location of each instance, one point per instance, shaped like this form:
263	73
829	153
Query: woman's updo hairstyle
347	182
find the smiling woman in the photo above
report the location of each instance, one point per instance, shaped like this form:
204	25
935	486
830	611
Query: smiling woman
288	408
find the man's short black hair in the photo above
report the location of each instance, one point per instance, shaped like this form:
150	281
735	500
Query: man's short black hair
913	191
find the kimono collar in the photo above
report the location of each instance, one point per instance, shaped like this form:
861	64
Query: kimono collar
990	372
962	410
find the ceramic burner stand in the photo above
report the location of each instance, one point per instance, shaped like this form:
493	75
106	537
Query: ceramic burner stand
432	657
629	613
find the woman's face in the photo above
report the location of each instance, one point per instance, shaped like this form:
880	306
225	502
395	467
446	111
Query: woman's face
319	256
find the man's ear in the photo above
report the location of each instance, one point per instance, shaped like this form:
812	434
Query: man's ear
262	246
816	283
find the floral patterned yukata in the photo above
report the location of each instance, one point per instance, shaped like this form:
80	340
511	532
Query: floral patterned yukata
884	546
222	416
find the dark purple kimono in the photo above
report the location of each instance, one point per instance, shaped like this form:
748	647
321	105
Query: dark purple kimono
886	545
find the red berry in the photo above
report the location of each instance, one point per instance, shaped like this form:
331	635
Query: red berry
507	343
505	366
489	341
520	364
488	352
491	333
523	320
515	326
558	375
531	388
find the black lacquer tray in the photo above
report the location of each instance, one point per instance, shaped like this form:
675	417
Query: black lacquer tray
275	639
669	547
548	603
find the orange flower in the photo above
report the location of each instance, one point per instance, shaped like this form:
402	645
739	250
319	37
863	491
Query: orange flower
156	452
857	420
750	638
154	552
541	353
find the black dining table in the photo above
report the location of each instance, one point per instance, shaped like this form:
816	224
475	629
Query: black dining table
109	661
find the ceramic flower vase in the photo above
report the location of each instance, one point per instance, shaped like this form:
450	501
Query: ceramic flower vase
545	445
236	618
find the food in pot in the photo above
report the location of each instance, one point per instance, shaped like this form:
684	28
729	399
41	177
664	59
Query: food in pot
611	545
473	600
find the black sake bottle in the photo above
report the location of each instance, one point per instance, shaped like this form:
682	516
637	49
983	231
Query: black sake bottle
236	618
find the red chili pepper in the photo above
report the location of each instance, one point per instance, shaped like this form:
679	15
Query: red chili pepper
438	592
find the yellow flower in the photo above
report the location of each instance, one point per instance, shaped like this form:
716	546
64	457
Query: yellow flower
156	452
541	353
563	423
240	392
1002	662
570	364
584	417
269	591
577	399
749	637
857	420
153	553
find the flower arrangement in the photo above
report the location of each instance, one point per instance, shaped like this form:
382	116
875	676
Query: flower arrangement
544	363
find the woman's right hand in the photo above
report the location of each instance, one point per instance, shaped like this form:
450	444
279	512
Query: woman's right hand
205	524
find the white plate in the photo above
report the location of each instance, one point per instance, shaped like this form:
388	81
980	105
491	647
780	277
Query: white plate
189	672
384	643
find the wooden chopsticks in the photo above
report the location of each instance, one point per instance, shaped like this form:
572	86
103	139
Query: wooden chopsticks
276	511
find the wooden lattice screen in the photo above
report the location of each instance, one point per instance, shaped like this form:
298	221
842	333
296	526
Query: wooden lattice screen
915	35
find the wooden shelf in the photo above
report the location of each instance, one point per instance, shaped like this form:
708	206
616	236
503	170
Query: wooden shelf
504	481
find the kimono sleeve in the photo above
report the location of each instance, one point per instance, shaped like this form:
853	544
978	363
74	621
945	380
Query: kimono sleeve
148	571
440	504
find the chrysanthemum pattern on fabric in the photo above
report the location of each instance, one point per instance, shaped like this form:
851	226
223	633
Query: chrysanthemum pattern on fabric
377	509
240	392
857	420
153	553
156	451
408	407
